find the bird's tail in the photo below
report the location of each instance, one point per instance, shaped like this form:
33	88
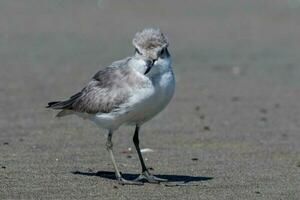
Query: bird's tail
57	105
65	106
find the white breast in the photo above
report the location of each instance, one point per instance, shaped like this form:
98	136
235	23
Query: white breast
153	99
145	102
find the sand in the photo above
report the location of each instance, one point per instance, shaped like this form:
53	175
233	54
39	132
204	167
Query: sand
230	132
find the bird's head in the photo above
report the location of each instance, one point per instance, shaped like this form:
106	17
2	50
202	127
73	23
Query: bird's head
151	47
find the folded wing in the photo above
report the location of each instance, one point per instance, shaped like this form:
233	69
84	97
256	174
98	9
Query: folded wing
104	93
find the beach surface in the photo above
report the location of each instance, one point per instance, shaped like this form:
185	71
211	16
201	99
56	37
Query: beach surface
232	130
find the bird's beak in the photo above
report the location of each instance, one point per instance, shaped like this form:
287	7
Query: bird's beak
149	65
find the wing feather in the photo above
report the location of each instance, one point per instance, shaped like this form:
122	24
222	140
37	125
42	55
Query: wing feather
107	90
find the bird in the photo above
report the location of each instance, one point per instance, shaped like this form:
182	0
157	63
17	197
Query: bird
130	92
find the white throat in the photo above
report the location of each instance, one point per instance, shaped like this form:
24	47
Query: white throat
160	66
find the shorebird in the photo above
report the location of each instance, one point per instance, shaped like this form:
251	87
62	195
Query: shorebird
129	91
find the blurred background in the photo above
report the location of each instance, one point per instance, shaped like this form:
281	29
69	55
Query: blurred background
236	106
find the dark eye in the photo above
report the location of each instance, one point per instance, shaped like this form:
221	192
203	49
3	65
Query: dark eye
136	50
161	53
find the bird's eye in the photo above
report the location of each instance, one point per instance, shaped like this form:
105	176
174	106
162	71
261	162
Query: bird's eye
136	50
161	53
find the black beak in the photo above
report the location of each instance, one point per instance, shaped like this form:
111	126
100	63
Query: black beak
149	64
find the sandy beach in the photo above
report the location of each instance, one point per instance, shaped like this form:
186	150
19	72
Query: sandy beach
232	130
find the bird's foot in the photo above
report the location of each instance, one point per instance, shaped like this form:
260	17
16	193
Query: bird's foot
123	181
149	178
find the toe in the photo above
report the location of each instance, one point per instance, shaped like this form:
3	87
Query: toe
123	181
160	179
146	176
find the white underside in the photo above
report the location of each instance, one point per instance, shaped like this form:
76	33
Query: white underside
144	103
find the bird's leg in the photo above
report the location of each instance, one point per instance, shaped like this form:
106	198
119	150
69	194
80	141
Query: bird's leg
121	180
145	175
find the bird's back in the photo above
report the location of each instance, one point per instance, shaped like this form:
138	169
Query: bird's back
108	89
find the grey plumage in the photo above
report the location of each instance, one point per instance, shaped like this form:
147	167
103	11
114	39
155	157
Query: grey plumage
149	42
108	89
130	91
112	86
149	39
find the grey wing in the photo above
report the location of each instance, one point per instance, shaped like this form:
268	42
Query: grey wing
96	99
104	93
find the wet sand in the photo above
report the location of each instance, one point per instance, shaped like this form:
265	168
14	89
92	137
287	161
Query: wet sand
230	132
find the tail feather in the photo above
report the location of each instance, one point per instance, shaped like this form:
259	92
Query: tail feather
61	104
52	103
65	105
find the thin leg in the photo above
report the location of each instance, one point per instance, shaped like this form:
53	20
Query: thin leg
121	180
137	147
109	146
145	173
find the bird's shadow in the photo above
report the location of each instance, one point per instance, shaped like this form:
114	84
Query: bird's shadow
170	178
